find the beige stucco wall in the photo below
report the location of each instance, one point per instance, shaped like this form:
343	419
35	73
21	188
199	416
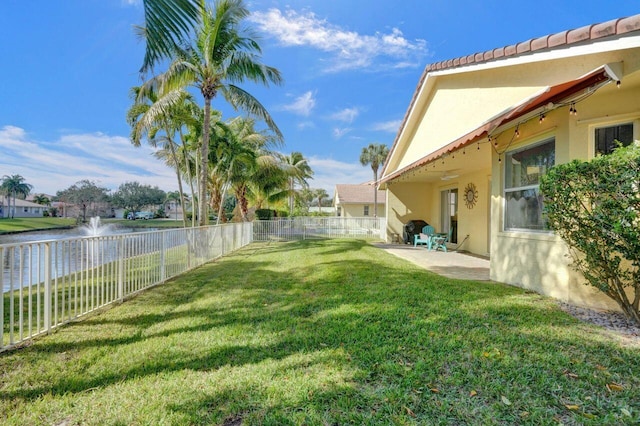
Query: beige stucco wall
451	107
457	103
407	201
539	261
357	210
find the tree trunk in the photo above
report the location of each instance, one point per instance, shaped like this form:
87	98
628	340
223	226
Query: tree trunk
175	161
241	197
291	196
204	160
375	192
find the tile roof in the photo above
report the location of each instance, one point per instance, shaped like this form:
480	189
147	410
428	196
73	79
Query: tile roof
588	32
357	194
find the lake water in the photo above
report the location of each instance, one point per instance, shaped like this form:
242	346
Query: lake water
18	260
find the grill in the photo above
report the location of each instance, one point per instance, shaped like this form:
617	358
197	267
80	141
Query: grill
411	228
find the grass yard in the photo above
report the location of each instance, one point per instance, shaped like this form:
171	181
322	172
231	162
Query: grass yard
323	332
22	224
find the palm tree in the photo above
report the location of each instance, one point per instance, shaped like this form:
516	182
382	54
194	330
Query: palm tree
13	186
320	195
167	24
375	155
159	118
221	56
297	169
176	198
305	197
245	158
41	199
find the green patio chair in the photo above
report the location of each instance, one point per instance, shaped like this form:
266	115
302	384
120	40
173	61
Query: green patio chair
441	240
424	237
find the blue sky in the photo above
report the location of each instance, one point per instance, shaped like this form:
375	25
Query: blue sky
350	69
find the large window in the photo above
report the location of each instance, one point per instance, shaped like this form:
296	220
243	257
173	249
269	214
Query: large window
607	138
523	169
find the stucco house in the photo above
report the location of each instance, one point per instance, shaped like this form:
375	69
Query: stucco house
357	201
22	208
481	130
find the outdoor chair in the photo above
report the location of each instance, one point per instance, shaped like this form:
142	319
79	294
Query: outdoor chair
441	240
425	236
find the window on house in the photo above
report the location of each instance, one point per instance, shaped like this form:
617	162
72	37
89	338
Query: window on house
26	209
523	201
608	138
366	210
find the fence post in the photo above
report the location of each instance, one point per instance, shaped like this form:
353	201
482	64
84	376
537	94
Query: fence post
163	246
47	287
2	301
121	269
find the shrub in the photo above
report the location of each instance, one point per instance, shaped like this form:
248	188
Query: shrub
595	207
265	214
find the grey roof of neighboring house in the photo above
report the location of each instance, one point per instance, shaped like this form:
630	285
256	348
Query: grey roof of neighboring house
356	194
20	203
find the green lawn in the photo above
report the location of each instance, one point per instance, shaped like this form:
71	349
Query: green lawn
323	332
21	224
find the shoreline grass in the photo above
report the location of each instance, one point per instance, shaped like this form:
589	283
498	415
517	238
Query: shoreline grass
324	332
26	224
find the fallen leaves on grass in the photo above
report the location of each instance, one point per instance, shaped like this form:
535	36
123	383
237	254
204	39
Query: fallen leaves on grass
409	412
614	387
505	400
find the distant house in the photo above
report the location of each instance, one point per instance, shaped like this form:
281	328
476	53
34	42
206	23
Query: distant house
22	208
357	201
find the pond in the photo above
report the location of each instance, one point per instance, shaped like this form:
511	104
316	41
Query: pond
22	265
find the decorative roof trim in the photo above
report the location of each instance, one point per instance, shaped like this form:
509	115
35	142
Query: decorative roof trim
589	32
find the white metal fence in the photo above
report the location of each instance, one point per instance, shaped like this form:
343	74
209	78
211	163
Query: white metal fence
302	228
48	283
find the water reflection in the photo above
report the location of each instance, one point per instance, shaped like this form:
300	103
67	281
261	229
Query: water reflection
23	254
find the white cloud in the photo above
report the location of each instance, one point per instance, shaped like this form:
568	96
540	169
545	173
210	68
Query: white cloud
338	133
306	125
51	166
302	105
347	115
387	126
327	173
349	49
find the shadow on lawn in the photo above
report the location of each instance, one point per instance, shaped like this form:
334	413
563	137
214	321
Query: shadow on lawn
388	325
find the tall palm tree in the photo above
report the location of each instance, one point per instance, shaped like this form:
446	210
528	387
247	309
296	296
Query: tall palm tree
167	23
320	195
12	186
223	54
159	118
375	155
297	169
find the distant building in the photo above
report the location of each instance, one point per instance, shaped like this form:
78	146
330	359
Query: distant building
357	201
22	208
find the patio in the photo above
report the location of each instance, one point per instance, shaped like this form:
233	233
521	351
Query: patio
449	264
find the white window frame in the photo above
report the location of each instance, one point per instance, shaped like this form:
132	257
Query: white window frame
540	141
617	120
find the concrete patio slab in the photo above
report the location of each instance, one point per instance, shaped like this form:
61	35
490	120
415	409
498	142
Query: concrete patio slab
450	264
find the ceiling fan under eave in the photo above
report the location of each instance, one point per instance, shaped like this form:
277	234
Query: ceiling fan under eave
449	174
